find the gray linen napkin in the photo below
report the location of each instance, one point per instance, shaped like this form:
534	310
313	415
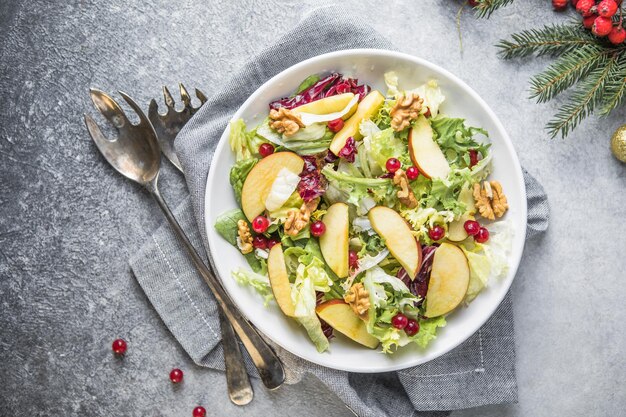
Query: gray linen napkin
478	372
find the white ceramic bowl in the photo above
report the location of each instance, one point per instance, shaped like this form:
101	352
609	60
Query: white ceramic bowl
368	66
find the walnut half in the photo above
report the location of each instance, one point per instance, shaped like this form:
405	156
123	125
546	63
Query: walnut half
405	194
406	109
285	121
490	200
359	300
298	219
245	237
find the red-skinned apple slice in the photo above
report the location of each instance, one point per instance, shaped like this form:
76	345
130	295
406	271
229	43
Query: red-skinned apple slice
449	280
398	238
425	152
340	317
279	280
260	179
334	242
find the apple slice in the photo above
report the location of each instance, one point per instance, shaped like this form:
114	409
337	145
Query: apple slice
398	238
260	179
279	280
334	242
425	152
340	317
467	196
332	104
367	108
449	280
456	229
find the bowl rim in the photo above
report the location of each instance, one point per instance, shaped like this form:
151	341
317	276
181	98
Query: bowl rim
504	140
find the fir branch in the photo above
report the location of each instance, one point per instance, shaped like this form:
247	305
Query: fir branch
584	100
485	8
615	88
566	71
549	40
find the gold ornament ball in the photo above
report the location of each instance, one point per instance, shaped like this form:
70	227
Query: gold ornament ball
618	143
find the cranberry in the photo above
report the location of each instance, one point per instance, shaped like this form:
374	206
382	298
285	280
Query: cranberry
318	228
119	346
412	173
353	259
266	149
607	8
427	114
436	233
176	376
335	125
412	327
399	321
471	227
472	3
473	154
617	35
271	242
588	21
482	236
260	224
393	164
602	26
199	412
259	242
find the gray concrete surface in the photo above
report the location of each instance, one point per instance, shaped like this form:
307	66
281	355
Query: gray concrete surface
68	223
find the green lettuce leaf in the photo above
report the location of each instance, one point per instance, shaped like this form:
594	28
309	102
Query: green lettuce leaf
226	226
313	327
258	282
238	174
428	330
351	189
456	140
306	83
385	145
244	143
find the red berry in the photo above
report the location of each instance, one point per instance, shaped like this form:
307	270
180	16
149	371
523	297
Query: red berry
399	321
318	228
412	173
584	7
602	26
272	242
482	236
176	376
119	346
559	5
471	227
393	164
335	125
266	149
199	412
588	21
427	113
260	224
472	3
617	35
412	327
353	259
436	232
259	242
473	154
607	8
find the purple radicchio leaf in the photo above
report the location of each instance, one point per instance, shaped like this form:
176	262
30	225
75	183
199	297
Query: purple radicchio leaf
326	329
314	92
312	184
419	286
348	152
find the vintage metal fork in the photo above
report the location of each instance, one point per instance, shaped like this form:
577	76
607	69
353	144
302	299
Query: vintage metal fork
167	126
135	153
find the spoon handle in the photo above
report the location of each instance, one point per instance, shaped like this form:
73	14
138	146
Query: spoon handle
269	366
237	379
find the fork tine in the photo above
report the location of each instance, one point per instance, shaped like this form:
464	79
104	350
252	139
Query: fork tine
169	100
102	143
153	109
201	96
184	95
109	108
136	108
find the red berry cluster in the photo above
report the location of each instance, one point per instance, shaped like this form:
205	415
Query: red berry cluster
599	16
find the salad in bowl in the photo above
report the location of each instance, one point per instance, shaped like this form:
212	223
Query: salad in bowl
365	213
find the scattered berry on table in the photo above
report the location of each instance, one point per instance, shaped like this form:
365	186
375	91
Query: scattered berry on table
472	227
199	412
602	26
482	236
412	327
176	376
259	242
393	164
119	346
617	35
353	259
260	224
436	233
318	228
412	173
266	149
607	8
399	321
335	125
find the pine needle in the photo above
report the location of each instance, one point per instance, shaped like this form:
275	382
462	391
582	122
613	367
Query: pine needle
566	71
549	40
584	100
485	8
615	88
